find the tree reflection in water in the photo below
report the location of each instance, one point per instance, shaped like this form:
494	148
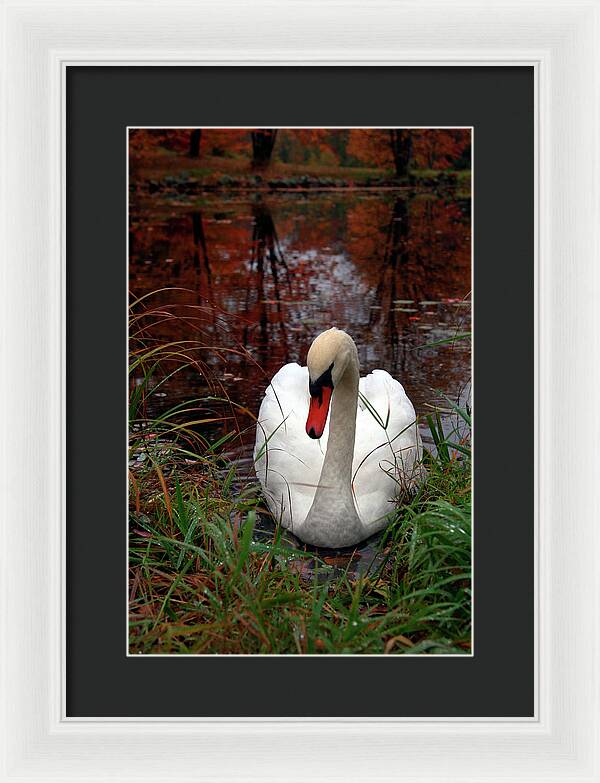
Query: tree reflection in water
200	245
386	295
265	251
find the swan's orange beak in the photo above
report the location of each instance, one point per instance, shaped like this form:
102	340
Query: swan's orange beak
317	412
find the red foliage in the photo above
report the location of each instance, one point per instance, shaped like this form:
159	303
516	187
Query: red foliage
439	149
431	148
371	146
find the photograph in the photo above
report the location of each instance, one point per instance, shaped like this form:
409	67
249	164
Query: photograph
299	391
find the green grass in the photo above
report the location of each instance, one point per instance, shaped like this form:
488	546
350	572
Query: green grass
207	576
211	168
169	169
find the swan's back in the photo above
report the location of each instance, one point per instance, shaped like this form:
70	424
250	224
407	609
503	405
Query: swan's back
288	463
387	452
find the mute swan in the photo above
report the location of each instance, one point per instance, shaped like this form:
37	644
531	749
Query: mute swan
334	483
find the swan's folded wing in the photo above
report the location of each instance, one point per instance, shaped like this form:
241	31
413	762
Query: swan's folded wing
387	446
288	463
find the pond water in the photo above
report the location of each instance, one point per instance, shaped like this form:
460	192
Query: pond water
391	267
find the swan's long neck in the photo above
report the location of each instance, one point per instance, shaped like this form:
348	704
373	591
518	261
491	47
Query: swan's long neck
337	466
332	517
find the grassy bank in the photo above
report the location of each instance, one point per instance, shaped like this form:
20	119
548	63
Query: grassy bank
166	171
209	574
210	168
202	582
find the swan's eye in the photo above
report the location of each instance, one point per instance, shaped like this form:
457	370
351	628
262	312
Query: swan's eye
325	379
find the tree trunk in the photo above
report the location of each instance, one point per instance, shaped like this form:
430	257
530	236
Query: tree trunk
263	141
195	139
401	141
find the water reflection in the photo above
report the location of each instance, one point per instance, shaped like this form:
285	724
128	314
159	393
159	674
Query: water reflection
386	296
266	257
394	271
200	246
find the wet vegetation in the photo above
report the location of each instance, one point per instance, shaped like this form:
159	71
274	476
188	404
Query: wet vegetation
228	282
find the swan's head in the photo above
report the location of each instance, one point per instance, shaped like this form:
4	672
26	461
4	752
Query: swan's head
327	360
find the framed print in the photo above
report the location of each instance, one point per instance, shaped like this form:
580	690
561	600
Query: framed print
372	169
394	236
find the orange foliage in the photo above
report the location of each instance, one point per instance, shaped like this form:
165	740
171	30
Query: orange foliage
371	146
144	142
439	149
431	148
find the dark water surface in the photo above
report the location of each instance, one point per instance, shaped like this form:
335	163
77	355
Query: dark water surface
393	268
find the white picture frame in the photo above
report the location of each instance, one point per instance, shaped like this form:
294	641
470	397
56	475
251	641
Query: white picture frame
560	41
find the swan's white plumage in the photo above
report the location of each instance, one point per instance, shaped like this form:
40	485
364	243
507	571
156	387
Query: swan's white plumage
288	463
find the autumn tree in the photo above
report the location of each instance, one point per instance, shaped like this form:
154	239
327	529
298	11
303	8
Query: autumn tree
337	141
370	146
382	148
308	145
195	140
401	143
440	148
225	142
405	149
263	141
145	142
